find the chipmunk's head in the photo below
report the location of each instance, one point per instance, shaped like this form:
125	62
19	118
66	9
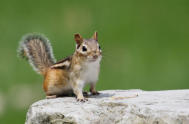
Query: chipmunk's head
88	49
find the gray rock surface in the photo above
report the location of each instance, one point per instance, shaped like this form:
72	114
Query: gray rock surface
114	107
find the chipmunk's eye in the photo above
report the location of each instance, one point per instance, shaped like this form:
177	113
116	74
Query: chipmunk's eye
99	47
84	49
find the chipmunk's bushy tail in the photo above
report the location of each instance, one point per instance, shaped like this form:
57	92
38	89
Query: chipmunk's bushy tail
37	50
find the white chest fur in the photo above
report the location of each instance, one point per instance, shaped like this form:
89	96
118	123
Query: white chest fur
90	71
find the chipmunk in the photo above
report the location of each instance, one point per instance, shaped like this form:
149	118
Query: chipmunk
69	75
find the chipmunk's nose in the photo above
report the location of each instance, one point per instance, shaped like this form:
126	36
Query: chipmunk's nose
95	57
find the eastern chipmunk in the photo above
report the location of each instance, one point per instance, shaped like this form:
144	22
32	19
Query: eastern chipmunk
68	75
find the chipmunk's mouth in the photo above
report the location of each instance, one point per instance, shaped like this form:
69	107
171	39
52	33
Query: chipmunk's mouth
94	58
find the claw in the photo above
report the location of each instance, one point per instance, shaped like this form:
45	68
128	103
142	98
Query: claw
82	99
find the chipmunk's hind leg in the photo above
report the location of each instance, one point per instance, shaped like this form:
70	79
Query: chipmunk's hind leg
93	89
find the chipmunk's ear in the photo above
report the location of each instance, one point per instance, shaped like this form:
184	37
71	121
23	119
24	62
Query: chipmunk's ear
95	36
78	38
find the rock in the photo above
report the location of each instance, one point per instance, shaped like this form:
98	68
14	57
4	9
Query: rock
114	107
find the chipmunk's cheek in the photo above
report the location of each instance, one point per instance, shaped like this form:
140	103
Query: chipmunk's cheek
82	53
99	53
89	57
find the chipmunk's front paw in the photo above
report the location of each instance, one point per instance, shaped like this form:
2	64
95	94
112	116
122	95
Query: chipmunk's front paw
82	99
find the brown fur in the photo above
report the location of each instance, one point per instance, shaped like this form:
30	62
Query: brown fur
56	81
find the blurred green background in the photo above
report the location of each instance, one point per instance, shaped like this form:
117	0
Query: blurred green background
145	45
